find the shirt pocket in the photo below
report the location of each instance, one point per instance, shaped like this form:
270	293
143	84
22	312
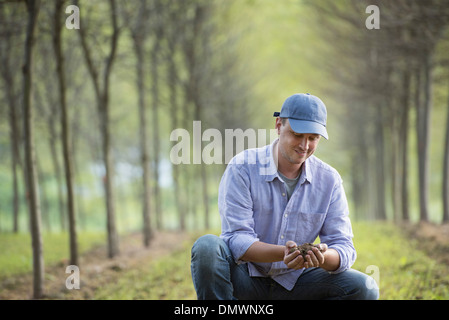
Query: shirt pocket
308	226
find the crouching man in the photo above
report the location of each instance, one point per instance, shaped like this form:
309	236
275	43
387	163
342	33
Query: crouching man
272	199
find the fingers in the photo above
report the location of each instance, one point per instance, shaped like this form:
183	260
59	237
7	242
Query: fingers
313	259
323	247
287	254
294	260
290	244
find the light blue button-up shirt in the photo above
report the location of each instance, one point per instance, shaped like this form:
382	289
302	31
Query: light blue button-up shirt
253	207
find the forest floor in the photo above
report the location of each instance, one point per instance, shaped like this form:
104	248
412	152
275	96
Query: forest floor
153	273
96	270
432	238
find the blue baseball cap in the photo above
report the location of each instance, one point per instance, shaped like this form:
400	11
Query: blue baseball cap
306	113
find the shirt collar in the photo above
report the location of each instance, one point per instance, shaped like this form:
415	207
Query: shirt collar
271	171
305	173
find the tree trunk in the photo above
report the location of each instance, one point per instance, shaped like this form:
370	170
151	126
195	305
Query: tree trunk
66	137
16	191
147	232
156	148
52	141
424	84
138	29
15	156
102	97
404	145
446	170
395	175
172	84
113	248
9	60
30	157
202	166
380	168
360	176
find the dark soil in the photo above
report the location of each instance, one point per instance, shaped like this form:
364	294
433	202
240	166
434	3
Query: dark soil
304	248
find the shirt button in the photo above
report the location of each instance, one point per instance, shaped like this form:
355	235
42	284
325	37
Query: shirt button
285	215
282	237
283	194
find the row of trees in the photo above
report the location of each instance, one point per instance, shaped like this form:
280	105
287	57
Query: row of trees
171	50
389	78
113	90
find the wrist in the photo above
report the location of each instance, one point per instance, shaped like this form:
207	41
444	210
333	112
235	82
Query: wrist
264	252
331	260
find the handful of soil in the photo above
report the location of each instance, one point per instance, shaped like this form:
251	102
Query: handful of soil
304	248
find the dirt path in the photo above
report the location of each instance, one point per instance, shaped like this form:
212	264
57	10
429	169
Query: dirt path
431	238
95	268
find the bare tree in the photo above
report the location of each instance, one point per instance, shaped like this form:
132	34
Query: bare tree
193	48
173	14
446	170
386	73
404	137
431	17
12	32
66	137
139	35
46	101
30	157
101	89
157	28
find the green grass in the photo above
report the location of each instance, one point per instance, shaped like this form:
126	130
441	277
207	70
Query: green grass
405	272
15	249
164	279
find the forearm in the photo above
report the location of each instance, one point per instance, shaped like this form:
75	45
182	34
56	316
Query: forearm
264	252
331	260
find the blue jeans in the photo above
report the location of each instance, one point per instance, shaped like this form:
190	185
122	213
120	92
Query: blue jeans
216	276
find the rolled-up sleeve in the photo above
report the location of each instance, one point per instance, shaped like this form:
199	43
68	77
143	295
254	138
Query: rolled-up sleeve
337	230
236	210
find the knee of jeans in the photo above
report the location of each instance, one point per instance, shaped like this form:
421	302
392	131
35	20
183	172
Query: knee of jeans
207	246
371	290
368	288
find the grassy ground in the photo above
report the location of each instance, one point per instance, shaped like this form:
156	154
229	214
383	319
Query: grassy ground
15	250
165	279
402	270
399	264
405	270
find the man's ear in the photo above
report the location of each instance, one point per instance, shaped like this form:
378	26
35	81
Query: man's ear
278	125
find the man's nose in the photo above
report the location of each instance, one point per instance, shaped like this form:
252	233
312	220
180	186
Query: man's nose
304	144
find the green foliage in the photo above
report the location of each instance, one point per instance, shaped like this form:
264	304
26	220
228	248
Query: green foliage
15	249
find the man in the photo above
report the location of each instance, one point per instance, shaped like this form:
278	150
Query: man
272	199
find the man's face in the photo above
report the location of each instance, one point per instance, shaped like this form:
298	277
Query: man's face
295	147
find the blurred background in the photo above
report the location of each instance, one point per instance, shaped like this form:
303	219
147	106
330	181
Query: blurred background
86	114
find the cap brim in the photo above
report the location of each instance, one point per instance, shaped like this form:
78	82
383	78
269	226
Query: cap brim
303	126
